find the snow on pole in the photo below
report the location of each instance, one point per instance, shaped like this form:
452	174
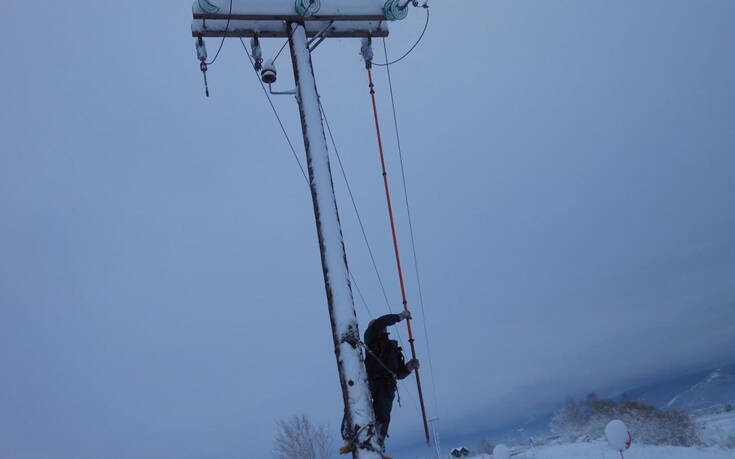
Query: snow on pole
359	415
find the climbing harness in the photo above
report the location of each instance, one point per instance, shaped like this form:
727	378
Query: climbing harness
382	364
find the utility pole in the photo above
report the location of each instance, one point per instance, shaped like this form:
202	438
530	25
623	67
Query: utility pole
299	21
352	375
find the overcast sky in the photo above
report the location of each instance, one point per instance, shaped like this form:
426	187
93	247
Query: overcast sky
570	166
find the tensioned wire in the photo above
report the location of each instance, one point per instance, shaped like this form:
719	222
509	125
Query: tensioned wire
408	212
352	198
344	175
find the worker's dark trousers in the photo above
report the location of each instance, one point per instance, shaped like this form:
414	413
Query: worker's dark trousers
383	391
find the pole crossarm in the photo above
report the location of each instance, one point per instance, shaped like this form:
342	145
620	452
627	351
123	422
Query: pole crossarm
263	10
279	29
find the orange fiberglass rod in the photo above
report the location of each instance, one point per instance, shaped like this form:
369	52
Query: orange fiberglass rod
398	256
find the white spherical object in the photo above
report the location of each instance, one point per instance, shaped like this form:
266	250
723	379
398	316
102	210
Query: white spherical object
618	435
501	452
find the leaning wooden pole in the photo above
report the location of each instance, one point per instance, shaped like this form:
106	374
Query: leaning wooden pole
359	416
395	248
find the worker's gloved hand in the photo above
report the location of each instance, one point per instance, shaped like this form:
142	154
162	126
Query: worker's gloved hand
406	314
412	364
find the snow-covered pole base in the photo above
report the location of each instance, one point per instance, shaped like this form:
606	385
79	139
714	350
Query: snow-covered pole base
359	416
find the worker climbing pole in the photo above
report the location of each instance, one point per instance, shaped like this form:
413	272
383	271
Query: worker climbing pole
367	54
306	24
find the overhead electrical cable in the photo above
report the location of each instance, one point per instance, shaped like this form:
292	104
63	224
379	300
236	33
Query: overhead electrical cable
275	112
349	188
227	27
362	297
410	50
339	158
357	213
280	51
354	205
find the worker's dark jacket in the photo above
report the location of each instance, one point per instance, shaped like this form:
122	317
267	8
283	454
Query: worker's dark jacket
387	350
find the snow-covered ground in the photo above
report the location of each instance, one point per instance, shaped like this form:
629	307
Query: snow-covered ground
600	450
717	432
718	429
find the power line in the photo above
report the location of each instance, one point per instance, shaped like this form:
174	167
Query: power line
275	112
357	213
354	205
423	32
359	292
362	227
281	50
227	27
293	151
349	188
344	175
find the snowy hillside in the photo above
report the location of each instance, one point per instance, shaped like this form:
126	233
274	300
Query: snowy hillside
717	389
718	429
600	450
717	432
